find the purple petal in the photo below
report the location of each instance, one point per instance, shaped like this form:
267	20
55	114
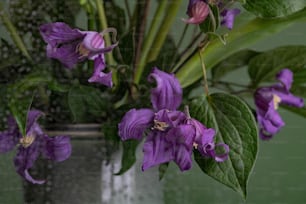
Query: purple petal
25	159
289	99
171	118
67	54
94	42
134	123
285	76
156	150
183	158
197	13
32	117
182	135
57	148
203	135
222	156
8	141
59	33
229	17
99	76
168	92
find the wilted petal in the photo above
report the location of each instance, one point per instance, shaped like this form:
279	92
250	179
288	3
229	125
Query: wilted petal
156	150
25	159
57	148
168	92
197	11
99	76
59	33
134	123
285	76
229	17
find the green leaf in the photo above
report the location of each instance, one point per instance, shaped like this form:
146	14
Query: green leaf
274	8
235	126
233	62
19	109
85	102
128	155
162	170
264	66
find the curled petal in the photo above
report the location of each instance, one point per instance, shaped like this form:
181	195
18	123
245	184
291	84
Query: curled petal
59	33
99	76
25	159
285	76
229	17
168	92
203	135
156	150
134	123
222	156
57	148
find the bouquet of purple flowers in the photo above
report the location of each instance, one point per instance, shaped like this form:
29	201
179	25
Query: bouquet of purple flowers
138	79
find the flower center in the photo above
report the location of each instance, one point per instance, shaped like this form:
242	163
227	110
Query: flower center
195	145
82	50
161	126
27	141
276	101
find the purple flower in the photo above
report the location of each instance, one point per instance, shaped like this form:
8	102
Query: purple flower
197	10
170	136
71	46
267	100
34	143
229	17
204	142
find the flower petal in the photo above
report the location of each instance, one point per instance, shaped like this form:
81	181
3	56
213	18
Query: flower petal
134	123
57	148
66	54
99	76
222	156
25	159
289	99
229	17
156	150
168	92
59	33
171	118
8	141
285	76
197	12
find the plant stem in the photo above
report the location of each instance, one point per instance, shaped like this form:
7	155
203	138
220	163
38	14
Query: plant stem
109	56
238	39
204	74
14	34
164	28
148	41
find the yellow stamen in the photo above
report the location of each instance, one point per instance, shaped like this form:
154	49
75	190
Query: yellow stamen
27	141
161	126
82	50
276	101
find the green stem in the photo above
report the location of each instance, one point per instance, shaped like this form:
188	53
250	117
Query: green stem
14	34
109	56
238	39
148	41
164	28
